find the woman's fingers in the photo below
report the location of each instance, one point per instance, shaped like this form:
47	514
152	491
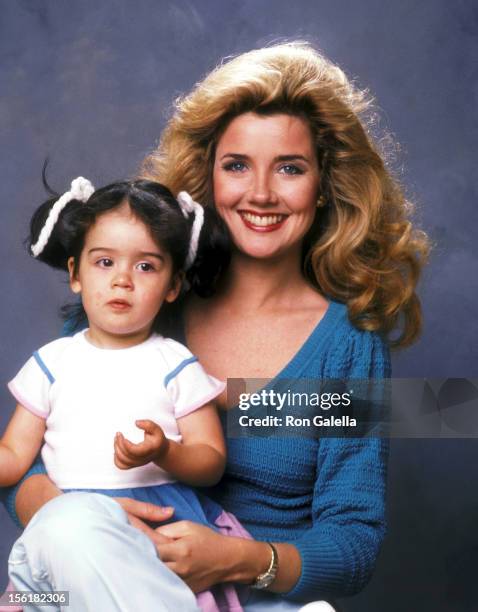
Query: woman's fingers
145	510
151	533
169	552
179	529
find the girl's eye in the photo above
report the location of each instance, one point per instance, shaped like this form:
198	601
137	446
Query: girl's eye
104	262
235	166
144	266
291	169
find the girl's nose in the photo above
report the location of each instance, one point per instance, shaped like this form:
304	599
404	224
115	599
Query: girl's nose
122	280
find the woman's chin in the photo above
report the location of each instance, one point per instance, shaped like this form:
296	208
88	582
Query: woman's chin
263	255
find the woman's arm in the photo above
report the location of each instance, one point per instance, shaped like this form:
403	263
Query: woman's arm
340	549
203	557
198	460
34	492
335	557
20	445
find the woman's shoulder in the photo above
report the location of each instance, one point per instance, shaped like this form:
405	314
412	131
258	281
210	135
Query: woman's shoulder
352	350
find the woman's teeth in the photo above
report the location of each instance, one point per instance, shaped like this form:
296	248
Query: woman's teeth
263	221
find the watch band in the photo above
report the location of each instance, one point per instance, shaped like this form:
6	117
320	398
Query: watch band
267	578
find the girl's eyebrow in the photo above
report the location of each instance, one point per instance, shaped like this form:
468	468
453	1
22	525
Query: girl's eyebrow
140	253
289	157
148	254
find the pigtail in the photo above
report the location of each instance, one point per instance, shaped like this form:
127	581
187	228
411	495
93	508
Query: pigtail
51	234
213	255
58	247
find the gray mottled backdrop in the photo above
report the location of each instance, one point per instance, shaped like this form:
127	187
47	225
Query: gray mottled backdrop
89	84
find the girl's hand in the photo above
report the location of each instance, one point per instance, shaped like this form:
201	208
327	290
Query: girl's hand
153	448
197	554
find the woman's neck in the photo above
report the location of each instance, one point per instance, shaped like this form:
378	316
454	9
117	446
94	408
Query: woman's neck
254	284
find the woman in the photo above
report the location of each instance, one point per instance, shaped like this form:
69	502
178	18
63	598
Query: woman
324	266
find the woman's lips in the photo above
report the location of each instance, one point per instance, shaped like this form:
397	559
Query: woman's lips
119	305
262	222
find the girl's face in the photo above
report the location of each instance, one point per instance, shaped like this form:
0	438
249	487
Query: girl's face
123	278
266	183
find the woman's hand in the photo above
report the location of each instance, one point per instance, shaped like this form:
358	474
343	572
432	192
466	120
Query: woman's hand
154	447
197	554
202	557
138	512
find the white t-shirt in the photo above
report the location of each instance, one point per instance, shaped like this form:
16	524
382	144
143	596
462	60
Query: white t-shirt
87	394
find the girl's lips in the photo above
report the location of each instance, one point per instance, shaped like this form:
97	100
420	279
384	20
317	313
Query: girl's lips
262	222
119	304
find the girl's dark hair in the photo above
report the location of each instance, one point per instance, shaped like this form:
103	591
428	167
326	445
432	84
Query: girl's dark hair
155	205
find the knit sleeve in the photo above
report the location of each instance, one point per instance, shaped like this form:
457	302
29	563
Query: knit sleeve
8	494
339	550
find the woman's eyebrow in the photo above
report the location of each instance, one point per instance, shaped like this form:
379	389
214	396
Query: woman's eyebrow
288	157
292	157
235	156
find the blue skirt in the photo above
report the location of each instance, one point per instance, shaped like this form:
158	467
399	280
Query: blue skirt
188	504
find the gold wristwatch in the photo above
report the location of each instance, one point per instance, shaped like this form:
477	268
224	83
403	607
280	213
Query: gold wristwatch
267	578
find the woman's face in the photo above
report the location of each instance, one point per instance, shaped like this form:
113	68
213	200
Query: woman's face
266	183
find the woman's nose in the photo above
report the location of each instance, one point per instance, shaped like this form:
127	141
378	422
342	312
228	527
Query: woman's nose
262	191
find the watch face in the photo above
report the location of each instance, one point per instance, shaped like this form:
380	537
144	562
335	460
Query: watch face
262	582
267	578
266	581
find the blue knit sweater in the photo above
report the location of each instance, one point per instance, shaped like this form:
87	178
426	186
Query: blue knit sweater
325	496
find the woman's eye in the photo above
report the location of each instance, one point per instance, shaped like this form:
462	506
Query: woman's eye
235	166
144	266
291	169
104	262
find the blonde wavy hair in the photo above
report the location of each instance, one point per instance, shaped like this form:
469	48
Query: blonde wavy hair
364	251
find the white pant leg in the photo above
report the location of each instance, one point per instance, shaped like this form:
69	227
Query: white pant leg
83	543
261	601
317	606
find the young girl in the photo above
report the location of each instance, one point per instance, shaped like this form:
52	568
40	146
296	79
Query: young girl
120	409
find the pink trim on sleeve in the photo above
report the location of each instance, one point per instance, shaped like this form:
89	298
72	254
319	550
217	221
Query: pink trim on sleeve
24	402
204	400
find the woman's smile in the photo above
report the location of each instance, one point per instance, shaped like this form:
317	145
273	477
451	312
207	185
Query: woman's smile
262	222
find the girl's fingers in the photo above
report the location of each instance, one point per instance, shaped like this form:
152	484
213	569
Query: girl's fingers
121	459
146	425
119	442
128	448
136	450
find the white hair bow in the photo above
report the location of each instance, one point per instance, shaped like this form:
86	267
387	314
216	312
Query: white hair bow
81	189
189	206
